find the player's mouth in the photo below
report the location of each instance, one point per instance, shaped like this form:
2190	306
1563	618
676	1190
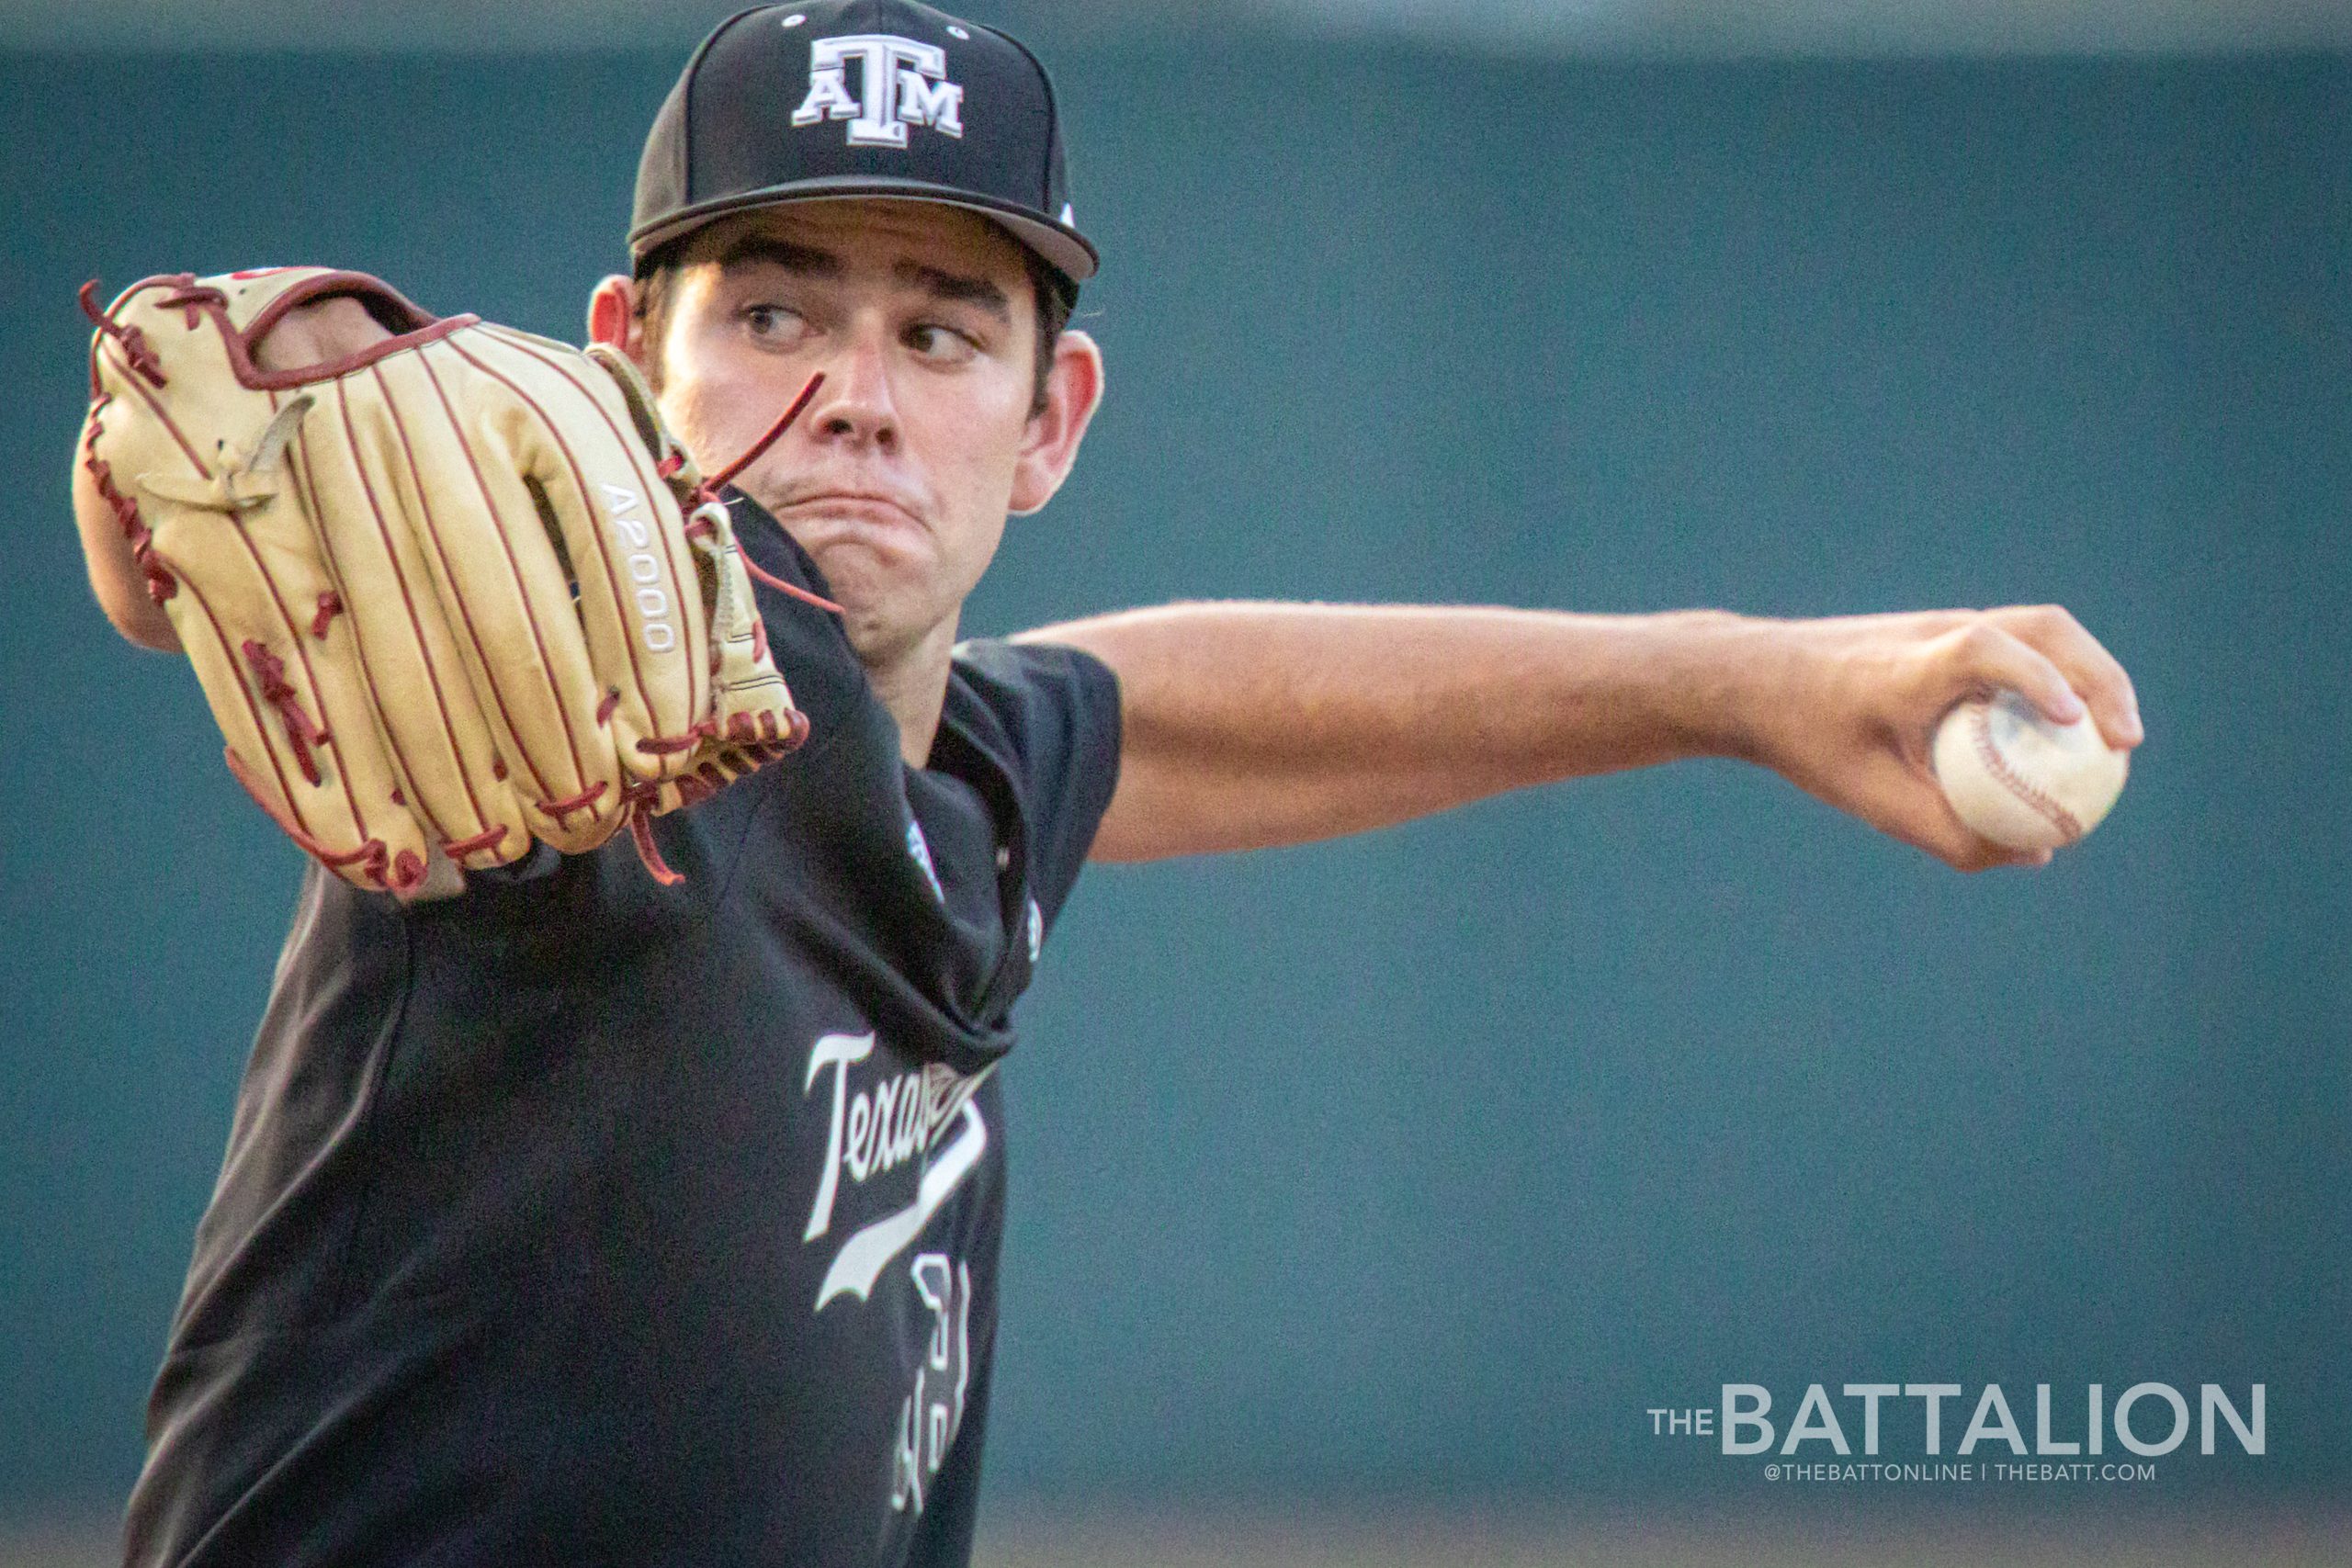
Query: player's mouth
862	509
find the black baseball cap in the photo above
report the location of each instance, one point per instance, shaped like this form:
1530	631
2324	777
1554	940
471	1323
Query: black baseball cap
860	97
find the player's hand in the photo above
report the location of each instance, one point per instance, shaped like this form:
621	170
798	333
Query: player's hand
1846	708
449	589
316	333
312	334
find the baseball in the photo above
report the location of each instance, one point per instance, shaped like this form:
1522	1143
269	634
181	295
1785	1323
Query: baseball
2019	780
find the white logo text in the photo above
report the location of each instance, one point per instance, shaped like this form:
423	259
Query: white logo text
905	83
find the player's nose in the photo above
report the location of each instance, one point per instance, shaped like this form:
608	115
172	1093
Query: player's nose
854	406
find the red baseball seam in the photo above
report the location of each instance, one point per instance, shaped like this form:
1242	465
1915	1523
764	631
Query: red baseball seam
1998	766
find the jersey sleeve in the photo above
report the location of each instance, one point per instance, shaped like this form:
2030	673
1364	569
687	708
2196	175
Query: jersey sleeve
1057	708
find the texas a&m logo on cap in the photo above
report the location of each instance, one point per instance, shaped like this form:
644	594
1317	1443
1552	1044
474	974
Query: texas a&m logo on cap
819	100
904	83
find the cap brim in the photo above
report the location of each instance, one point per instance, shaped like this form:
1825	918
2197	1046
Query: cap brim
1064	248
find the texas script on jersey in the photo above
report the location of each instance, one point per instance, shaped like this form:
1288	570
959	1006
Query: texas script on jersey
904	1118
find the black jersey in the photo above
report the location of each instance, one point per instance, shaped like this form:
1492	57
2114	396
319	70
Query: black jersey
581	1220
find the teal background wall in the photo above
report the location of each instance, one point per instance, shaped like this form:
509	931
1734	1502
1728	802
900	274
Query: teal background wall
1426	1161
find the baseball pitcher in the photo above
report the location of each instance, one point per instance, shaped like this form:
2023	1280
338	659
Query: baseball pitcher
619	1176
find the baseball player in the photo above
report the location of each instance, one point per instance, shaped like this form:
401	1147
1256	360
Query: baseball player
637	1197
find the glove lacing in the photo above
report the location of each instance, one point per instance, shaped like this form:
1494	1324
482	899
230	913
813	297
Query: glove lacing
700	500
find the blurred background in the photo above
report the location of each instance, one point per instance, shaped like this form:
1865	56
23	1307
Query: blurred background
1368	1195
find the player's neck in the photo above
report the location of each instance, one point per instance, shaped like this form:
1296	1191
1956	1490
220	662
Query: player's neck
912	684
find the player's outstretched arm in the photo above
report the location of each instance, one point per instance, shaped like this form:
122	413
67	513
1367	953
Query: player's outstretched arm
1251	725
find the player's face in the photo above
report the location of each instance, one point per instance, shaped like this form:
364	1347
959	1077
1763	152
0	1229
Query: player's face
898	476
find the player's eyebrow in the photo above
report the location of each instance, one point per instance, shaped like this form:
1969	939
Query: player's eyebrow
806	261
957	287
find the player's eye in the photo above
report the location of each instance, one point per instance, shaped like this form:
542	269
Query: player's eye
941	345
772	323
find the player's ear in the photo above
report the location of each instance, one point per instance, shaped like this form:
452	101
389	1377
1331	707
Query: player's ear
1073	391
613	318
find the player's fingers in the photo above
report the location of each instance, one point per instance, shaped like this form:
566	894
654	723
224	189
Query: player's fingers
1899	796
2097	677
1982	656
335	328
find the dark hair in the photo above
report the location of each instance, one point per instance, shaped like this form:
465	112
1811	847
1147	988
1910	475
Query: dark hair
656	272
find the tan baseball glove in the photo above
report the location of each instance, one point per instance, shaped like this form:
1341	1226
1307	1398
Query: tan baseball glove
452	593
